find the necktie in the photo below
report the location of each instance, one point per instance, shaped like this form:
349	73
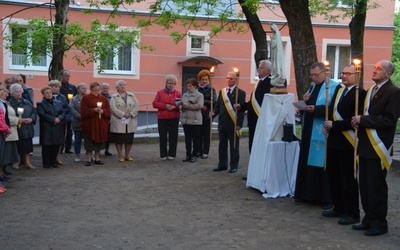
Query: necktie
344	93
229	91
374	90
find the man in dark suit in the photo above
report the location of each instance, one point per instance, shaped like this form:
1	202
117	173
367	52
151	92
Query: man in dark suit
68	90
340	156
377	128
227	120
253	106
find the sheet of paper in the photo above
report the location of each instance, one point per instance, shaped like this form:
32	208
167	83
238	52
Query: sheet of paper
301	105
125	120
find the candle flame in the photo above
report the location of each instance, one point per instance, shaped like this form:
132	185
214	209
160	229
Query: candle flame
357	62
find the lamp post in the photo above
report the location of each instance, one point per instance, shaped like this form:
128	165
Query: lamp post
357	64
327	77
236	70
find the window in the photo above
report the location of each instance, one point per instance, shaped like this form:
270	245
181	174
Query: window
121	61
197	44
338	57
342	3
26	53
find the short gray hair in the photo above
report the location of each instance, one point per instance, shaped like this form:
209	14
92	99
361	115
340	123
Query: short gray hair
55	83
104	84
80	85
14	87
119	82
170	78
267	64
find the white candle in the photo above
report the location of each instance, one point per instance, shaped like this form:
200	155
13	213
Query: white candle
70	96
20	111
99	104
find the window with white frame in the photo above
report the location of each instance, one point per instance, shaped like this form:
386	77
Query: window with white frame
197	43
338	57
121	61
29	55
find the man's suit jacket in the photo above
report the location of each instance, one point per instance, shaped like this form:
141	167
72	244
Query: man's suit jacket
384	111
263	87
224	120
345	107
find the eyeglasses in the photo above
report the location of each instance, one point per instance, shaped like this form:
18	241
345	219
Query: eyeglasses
230	78
312	75
346	74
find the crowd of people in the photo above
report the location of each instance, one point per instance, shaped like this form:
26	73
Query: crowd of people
323	176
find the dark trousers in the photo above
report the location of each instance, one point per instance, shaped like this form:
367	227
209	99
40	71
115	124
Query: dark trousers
77	141
192	137
252	130
374	193
168	133
342	184
49	154
205	137
68	137
224	138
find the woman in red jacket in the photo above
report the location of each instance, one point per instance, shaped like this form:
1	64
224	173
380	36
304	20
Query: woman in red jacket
167	102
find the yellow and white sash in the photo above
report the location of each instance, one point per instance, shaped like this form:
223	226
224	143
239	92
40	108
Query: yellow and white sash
254	103
373	137
349	134
228	105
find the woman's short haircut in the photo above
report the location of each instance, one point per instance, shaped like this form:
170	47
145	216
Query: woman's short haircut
192	81
44	89
14	87
119	82
170	78
54	83
93	85
203	73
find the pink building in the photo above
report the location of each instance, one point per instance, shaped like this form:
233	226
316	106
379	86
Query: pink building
145	70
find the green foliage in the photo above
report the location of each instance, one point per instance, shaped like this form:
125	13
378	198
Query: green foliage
396	50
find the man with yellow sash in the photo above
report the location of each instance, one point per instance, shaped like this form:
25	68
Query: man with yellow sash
227	120
377	127
340	155
253	106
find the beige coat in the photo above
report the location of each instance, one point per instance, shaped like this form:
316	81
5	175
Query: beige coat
12	116
119	108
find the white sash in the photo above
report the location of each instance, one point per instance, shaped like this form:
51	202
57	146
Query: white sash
349	134
228	105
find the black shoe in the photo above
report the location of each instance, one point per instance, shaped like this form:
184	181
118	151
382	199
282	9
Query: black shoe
360	227
54	166
5	177
88	163
375	232
347	220
187	159
6	171
327	206
107	153
231	171
98	162
219	169
193	160
46	166
331	213
68	152
244	178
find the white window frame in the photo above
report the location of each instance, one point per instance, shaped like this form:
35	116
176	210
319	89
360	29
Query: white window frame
9	68
337	43
205	48
287	55
134	73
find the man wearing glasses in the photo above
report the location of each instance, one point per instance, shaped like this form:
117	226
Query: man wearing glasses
227	99
340	155
312	181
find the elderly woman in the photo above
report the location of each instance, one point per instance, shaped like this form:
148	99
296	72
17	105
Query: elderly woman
168	117
10	151
124	111
75	108
192	102
27	93
52	131
26	131
210	99
95	119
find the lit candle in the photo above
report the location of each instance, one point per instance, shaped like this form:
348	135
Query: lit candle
237	72
70	96
20	111
99	105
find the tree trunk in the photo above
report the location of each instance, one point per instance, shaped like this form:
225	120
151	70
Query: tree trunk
356	26
303	43
259	36
59	28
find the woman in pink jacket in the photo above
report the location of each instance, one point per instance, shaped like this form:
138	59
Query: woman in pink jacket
167	102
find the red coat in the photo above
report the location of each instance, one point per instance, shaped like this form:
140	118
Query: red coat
92	126
162	99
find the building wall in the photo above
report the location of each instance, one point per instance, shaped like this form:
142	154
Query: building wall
233	50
